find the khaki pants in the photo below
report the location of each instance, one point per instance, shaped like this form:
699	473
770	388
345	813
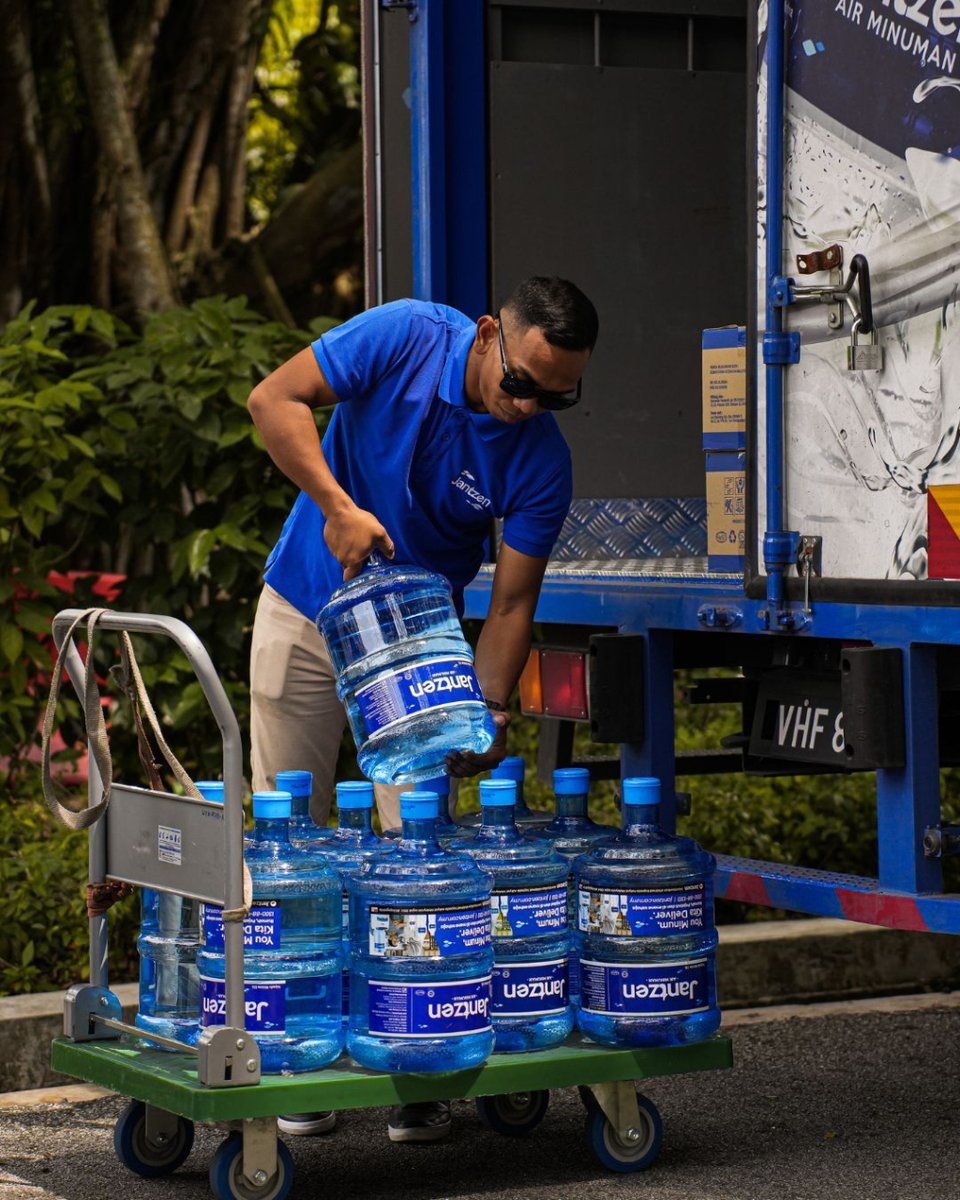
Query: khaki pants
296	720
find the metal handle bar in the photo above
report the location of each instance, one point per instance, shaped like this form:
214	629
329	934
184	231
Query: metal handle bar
213	690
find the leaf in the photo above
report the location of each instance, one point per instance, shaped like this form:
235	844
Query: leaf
32	521
231	536
45	499
103	323
11	642
80	445
81	317
239	392
37	347
119	418
199	546
34	620
111	487
233	436
114	442
63	393
26	958
190	405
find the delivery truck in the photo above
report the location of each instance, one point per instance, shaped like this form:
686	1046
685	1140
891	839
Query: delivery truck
762	200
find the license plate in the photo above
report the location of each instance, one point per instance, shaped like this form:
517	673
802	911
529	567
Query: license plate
799	718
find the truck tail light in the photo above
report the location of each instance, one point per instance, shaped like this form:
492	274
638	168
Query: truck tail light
554	684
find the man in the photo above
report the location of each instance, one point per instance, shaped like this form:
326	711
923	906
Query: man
440	424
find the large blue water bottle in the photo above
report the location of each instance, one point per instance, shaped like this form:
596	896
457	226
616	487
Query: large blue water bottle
292	949
513	767
303	828
169	1003
646	934
447	828
420	955
531	938
572	833
352	844
404	672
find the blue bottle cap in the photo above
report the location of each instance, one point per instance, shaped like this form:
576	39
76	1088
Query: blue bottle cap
497	792
642	789
355	793
271	805
440	785
297	783
418	805
512	767
211	789
571	781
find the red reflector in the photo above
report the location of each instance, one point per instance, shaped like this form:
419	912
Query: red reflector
563	677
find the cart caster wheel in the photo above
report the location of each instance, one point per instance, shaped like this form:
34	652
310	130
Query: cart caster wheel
144	1157
626	1154
514	1114
227	1181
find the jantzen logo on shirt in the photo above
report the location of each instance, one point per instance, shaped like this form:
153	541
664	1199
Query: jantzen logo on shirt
464	483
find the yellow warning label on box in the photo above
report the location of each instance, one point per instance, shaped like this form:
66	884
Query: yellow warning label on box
724	388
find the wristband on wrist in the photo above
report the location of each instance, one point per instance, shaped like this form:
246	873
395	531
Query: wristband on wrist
496	706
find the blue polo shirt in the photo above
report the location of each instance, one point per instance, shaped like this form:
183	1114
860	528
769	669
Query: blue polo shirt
404	445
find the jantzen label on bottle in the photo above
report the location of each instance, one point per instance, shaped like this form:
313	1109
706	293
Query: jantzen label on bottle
436	932
264	1004
534	989
394	697
528	911
650	989
429	1010
642	912
261	926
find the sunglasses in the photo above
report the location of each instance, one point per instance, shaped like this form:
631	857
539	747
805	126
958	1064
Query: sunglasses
525	389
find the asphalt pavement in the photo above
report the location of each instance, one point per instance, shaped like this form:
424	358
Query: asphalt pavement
853	1101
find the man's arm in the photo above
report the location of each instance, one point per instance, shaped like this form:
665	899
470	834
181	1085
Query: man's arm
503	647
282	410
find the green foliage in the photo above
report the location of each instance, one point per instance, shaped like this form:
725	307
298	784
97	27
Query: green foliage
43	924
306	102
132	455
135	455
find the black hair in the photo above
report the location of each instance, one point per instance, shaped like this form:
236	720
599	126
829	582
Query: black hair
558	308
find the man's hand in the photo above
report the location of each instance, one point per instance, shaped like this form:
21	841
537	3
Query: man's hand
461	764
352	534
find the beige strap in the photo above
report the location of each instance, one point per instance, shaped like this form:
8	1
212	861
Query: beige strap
129	669
75	813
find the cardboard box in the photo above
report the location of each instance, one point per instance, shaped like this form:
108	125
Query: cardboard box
724	386
726	510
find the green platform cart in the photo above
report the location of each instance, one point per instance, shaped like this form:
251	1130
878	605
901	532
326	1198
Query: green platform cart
218	1081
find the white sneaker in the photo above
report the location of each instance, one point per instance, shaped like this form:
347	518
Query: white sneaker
306	1124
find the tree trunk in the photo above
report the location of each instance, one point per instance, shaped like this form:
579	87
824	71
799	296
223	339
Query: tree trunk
239	88
24	175
20	66
137	191
139	59
292	266
147	275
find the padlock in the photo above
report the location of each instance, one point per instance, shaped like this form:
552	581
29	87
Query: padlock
867	356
